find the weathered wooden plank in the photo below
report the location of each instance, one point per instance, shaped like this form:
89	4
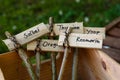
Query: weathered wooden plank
96	65
62	27
90	66
114	32
94	30
112	42
113	53
28	35
46	45
82	40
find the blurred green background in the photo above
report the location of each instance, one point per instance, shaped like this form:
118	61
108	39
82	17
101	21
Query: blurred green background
19	15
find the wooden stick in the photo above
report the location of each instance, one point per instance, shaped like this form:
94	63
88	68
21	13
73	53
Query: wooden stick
54	73
28	65
66	53
75	65
62	69
38	65
53	55
23	56
37	51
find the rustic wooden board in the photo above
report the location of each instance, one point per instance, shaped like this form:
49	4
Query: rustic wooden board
28	35
114	32
113	39
82	40
46	45
93	65
94	30
61	27
14	69
113	53
96	65
112	42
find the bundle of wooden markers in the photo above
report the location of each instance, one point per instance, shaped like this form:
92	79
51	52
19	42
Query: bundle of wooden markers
78	37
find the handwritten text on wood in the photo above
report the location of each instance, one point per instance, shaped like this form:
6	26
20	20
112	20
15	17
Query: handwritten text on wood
46	45
82	40
62	27
28	35
94	30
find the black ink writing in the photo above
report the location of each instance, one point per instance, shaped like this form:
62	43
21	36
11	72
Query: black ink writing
31	32
47	44
62	27
92	32
87	40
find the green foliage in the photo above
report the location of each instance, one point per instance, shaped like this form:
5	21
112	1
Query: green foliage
17	16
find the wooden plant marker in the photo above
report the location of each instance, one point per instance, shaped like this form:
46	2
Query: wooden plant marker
46	46
94	30
65	57
82	40
28	35
23	38
53	55
37	50
23	56
77	28
62	27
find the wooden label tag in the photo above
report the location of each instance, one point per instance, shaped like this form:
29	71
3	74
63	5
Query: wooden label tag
82	40
62	27
46	45
94	30
28	35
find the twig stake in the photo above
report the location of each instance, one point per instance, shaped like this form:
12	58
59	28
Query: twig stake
53	55
22	55
75	64
38	60
66	53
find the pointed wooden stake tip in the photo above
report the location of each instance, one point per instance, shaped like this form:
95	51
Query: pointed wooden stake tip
7	34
